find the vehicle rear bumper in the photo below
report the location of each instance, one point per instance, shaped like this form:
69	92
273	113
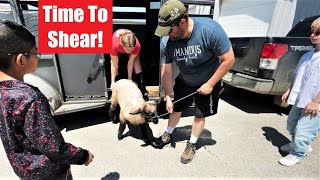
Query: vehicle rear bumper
258	85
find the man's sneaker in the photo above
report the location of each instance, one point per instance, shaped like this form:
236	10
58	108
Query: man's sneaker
289	160
287	148
164	139
188	153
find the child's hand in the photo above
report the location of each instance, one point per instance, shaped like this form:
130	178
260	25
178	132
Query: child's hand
285	96
311	109
90	158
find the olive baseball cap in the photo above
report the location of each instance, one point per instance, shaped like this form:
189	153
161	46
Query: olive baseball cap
169	14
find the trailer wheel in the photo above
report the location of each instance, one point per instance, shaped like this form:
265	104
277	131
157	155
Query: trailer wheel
47	89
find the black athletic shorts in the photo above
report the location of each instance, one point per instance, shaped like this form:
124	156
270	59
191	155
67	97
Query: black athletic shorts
205	105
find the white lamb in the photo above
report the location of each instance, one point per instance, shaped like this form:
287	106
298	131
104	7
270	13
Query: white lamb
133	108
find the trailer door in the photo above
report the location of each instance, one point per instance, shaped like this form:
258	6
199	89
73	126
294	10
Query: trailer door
139	16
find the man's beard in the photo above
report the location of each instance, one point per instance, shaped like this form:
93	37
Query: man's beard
178	37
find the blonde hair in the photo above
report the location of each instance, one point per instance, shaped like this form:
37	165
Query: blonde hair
315	24
128	39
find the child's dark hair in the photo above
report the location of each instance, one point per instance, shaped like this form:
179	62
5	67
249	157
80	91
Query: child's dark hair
14	39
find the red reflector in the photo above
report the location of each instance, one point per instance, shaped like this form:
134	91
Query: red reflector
274	51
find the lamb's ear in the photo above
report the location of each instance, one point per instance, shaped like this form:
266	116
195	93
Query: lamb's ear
138	111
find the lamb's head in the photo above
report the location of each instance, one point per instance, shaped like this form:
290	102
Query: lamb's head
149	112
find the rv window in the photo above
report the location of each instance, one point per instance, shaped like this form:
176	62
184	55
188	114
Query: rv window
199	10
4	7
202	8
198	2
31	5
32	8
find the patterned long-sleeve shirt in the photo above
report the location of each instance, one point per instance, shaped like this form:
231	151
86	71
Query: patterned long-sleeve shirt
32	141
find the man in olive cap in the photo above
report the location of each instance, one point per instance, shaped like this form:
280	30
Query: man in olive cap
202	51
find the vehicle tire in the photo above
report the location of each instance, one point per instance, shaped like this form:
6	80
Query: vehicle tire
47	89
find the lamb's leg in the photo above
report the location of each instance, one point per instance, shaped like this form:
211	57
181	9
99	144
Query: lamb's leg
148	137
144	132
116	118
122	127
114	111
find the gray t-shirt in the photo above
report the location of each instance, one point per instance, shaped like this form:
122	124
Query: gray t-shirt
196	56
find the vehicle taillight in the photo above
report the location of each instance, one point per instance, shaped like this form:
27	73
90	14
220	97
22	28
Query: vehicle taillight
270	55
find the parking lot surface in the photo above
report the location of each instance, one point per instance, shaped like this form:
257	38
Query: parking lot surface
241	141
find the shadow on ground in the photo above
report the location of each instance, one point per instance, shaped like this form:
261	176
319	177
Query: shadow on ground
179	134
82	119
135	132
111	176
251	102
183	133
92	117
277	139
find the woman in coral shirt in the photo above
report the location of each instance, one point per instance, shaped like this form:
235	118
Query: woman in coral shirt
125	42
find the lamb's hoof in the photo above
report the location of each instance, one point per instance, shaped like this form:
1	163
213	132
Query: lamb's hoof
115	121
120	138
158	142
156	145
153	143
155	121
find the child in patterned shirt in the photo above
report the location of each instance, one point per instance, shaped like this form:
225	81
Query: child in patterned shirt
32	140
